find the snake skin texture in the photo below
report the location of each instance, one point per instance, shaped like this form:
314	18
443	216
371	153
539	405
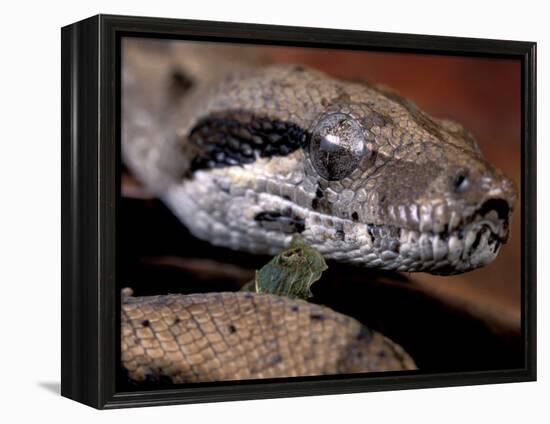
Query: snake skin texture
234	336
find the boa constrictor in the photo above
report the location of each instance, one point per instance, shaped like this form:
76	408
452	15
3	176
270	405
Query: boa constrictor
247	154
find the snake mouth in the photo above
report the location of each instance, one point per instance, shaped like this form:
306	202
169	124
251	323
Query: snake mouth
471	246
499	206
493	214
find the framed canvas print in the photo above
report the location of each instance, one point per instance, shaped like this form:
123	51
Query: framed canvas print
257	211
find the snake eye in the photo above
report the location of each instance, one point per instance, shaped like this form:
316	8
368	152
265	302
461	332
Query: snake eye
336	146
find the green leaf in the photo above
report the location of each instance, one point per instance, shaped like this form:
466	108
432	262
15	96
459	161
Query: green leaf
291	273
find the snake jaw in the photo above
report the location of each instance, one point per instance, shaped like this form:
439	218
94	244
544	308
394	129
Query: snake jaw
254	209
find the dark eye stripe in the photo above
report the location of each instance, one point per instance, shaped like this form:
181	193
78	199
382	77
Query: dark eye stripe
238	137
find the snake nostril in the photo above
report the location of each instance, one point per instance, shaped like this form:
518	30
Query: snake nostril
500	206
460	181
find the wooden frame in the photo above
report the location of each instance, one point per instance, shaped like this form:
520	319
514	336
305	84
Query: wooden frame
90	181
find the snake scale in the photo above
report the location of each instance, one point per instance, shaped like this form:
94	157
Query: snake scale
247	154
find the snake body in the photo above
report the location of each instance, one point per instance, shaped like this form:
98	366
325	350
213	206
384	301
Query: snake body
246	154
234	336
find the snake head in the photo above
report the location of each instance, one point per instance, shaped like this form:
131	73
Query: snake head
361	173
417	186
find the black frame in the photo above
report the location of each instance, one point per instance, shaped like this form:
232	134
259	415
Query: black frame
90	181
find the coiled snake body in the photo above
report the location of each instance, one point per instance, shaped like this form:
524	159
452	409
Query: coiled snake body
246	154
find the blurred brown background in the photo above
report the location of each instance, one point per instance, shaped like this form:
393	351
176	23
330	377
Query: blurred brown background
481	94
